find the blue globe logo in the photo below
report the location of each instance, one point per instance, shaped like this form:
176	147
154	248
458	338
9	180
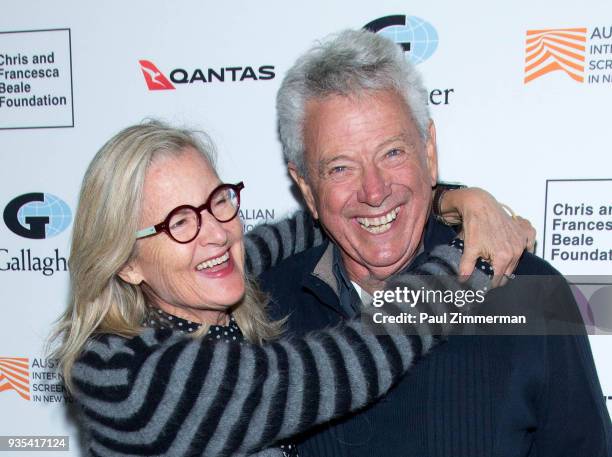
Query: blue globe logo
53	208
417	37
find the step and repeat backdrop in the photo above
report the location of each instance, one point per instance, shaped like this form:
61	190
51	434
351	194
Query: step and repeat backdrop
520	94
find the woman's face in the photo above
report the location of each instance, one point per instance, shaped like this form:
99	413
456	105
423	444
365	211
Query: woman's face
181	279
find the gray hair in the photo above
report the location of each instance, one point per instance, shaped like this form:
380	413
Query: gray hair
345	64
104	240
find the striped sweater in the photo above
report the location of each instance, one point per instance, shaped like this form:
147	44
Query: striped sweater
268	244
161	393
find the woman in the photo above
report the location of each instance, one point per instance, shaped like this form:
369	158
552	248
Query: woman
154	391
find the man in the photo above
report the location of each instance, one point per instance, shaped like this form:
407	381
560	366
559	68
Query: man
360	145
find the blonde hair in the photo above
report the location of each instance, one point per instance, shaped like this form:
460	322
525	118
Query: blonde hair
104	240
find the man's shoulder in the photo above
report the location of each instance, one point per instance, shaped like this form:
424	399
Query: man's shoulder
293	292
289	272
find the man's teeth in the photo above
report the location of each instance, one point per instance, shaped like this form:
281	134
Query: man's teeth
212	262
378	224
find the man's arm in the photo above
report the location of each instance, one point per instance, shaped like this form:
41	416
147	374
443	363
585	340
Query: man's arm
574	419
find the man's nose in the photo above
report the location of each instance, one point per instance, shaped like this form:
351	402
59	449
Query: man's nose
374	187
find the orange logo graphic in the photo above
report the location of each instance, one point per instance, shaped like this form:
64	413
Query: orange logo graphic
15	375
555	49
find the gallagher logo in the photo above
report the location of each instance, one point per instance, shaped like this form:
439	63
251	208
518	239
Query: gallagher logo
37	215
417	37
419	40
15	375
157	80
583	54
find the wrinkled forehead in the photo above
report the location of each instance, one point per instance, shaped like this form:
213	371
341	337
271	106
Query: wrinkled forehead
173	152
176	178
359	119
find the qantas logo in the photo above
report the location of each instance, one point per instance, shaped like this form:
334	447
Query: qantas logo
155	79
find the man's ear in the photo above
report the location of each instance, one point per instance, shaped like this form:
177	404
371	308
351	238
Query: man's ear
431	150
131	274
304	188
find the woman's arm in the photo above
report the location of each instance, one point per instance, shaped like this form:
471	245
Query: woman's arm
269	244
488	230
163	394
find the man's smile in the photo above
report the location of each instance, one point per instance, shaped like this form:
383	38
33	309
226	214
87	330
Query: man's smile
379	224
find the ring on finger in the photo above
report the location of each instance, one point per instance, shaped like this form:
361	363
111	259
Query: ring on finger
509	210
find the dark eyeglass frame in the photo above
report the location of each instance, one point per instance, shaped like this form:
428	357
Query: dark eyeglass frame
164	225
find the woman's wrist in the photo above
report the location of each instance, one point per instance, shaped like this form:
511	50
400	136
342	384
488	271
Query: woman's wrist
447	203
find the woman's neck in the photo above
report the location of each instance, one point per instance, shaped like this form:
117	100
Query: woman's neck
201	316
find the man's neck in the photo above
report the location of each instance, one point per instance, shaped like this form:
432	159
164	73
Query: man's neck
371	280
370	284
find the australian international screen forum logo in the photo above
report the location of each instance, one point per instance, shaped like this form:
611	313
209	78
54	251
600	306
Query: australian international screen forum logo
157	80
583	54
15	375
33	379
419	40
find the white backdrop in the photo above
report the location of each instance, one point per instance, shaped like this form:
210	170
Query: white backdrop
537	145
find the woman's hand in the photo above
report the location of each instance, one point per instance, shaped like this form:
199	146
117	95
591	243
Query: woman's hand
488	230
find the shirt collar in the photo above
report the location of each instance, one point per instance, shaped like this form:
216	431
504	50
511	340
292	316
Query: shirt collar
157	318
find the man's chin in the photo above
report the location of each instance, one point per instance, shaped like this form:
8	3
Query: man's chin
381	267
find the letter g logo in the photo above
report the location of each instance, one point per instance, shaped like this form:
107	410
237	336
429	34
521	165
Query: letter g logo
37	215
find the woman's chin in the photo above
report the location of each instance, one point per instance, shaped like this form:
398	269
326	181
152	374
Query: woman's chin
228	295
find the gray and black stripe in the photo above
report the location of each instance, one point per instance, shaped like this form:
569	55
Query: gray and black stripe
161	393
268	244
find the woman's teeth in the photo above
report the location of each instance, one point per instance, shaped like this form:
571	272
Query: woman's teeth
212	262
378	224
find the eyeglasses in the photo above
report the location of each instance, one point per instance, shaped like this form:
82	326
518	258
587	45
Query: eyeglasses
183	223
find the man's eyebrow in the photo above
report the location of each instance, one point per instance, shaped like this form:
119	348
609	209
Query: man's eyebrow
325	162
401	137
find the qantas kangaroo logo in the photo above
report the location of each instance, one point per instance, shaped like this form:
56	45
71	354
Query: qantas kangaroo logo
155	79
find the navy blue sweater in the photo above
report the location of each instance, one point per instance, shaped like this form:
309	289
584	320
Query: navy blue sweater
475	396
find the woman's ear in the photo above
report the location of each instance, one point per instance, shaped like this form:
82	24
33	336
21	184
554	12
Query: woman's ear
131	274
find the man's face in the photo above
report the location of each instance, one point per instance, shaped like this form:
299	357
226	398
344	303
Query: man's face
369	179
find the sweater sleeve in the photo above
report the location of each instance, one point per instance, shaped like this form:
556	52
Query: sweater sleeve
268	244
164	394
